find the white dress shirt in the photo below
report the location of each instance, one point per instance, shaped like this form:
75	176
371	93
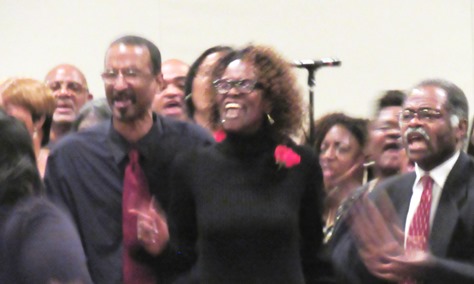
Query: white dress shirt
439	176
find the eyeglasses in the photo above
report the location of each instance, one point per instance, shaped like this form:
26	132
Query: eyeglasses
72	86
423	114
245	86
129	75
338	149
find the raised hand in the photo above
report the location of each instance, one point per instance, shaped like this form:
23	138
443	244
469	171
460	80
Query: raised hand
380	242
152	228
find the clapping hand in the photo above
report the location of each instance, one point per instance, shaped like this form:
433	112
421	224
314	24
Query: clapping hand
380	242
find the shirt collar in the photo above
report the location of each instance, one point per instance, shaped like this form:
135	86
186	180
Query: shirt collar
440	173
146	146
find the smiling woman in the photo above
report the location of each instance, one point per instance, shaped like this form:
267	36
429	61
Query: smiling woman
247	209
257	72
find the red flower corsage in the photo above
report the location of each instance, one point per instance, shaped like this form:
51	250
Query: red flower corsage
219	136
285	156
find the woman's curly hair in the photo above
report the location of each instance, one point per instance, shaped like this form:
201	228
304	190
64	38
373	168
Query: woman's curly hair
279	84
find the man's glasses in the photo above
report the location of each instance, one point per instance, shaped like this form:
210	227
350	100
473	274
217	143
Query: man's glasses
423	114
129	75
245	86
71	86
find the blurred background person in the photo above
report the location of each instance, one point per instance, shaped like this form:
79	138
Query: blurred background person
92	113
38	242
170	100
340	142
69	87
385	149
387	158
31	102
198	85
256	219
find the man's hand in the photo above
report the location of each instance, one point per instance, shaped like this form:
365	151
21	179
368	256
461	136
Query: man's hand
380	242
152	229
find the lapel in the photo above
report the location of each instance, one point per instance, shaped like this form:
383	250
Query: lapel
446	216
406	190
400	190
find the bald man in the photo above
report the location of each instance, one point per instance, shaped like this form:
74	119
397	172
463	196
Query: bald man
170	101
70	89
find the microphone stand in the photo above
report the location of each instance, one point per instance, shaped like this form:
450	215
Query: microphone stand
311	66
311	84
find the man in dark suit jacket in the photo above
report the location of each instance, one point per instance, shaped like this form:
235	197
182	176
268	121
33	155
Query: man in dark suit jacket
433	121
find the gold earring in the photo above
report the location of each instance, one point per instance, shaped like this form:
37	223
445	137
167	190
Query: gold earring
270	119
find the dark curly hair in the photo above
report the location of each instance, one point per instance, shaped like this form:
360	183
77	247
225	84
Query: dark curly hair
279	86
356	126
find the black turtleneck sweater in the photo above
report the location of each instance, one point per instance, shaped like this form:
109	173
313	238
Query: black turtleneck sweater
236	217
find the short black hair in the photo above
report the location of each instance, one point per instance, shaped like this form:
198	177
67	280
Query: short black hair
155	54
390	98
188	84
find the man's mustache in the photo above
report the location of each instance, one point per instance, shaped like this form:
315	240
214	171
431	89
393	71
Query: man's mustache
418	130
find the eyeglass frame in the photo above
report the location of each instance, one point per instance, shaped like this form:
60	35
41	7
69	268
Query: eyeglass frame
132	75
233	84
75	87
426	117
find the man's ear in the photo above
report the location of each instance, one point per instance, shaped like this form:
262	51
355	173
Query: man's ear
159	82
461	129
90	96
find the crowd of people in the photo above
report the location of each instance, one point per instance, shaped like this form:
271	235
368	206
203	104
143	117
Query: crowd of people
194	173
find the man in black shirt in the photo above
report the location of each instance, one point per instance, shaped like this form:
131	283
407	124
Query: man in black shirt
85	170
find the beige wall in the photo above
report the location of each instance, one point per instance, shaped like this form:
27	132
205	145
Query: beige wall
382	43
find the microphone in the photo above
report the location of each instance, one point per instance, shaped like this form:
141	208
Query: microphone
314	64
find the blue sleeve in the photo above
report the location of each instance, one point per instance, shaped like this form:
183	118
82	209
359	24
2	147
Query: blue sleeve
43	245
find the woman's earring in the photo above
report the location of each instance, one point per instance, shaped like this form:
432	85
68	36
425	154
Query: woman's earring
270	119
188	97
35	132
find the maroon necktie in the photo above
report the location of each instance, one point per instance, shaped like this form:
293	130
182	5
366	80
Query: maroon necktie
419	230
135	196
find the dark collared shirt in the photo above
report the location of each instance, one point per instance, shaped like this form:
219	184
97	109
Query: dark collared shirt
85	173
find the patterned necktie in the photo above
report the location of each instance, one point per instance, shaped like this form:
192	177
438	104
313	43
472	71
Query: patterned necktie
135	196
419	230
